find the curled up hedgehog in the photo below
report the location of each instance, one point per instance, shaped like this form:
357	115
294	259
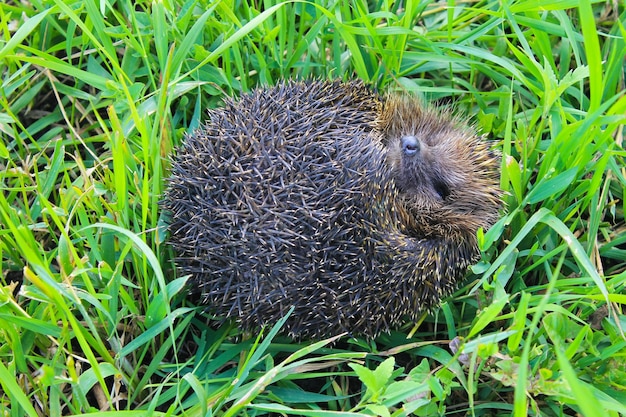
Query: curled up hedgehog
358	210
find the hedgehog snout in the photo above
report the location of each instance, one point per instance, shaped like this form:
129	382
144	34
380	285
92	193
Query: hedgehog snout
410	145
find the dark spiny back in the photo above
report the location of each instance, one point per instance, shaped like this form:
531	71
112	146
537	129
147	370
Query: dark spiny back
280	199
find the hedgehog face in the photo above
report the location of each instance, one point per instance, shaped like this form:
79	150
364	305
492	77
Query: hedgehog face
418	170
446	174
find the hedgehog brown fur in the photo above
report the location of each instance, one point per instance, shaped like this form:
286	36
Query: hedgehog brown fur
357	210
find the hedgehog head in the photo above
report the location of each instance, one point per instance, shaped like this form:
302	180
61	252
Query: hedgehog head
445	173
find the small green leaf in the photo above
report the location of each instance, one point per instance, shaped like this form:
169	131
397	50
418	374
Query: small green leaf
383	372
366	376
378	410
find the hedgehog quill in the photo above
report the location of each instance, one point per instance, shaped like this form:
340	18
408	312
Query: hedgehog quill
358	210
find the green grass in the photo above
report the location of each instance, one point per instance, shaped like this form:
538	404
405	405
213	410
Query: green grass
94	97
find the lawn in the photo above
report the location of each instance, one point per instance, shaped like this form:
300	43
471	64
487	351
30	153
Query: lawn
95	96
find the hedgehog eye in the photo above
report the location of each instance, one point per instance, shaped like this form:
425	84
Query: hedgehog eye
441	189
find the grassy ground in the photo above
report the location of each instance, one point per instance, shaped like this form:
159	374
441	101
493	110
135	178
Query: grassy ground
96	94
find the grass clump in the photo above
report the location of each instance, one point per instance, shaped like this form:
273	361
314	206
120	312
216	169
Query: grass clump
96	95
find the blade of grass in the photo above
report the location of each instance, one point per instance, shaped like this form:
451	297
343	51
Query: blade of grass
10	386
592	50
24	30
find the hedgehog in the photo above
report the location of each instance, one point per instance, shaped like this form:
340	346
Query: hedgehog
358	210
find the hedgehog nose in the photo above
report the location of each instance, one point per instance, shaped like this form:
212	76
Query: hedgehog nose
410	145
